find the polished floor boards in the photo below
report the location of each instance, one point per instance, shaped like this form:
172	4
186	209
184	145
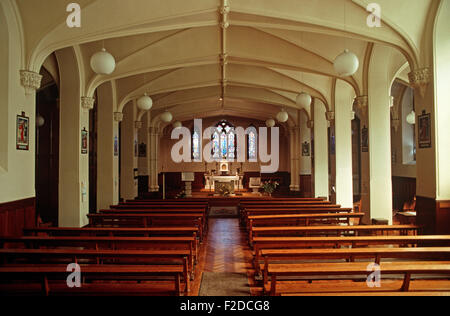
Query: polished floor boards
225	249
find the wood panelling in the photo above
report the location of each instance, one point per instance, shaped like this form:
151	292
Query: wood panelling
426	214
17	215
174	183
403	190
47	155
306	186
443	217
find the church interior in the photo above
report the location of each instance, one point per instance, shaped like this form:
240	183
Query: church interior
225	148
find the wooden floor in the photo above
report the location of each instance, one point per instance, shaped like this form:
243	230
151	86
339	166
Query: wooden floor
225	249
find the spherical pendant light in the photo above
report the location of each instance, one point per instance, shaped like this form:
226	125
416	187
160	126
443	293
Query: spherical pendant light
304	100
145	103
103	63
166	117
346	64
40	121
270	123
283	116
411	118
177	124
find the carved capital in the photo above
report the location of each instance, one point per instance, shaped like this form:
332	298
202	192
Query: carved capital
420	78
224	10
310	124
87	103
138	124
223	59
154	131
118	116
330	116
352	115
395	124
30	80
361	103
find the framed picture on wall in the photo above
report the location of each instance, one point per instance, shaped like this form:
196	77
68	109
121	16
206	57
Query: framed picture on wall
142	150
365	140
305	149
424	130
23	132
116	146
84	141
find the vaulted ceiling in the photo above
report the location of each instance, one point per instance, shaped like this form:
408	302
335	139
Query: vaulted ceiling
245	57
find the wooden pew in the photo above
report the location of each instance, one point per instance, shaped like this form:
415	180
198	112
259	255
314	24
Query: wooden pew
296	219
147	220
52	279
269	207
337	230
317	209
376	254
162	211
159	206
113	231
351	269
260	243
123	257
114	243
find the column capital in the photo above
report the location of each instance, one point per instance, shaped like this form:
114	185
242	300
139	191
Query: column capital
310	124
361	103
87	103
118	116
395	124
30	80
138	124
420	78
152	130
330	116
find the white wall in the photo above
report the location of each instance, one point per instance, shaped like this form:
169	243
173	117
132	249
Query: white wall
442	102
16	167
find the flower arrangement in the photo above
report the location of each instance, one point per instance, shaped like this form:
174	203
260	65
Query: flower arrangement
224	191
270	186
181	195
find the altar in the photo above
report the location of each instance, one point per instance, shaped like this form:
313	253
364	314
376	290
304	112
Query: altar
214	181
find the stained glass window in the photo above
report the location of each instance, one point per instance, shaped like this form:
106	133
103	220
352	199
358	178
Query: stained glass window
196	145
216	145
252	141
224	141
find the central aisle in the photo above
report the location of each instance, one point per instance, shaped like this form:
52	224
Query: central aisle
226	247
225	250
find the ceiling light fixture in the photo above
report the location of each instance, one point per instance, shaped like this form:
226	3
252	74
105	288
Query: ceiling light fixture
283	116
270	123
411	118
167	117
103	63
145	103
304	100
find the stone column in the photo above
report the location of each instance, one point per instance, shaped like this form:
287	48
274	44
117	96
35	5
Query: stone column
344	172
321	186
73	164
128	183
361	106
293	139
108	166
380	137
153	158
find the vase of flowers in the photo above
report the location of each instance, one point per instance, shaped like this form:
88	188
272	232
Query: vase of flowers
269	187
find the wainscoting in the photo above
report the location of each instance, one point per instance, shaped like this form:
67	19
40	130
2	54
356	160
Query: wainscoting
443	217
403	190
17	215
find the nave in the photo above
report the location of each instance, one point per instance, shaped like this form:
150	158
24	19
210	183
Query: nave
291	247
